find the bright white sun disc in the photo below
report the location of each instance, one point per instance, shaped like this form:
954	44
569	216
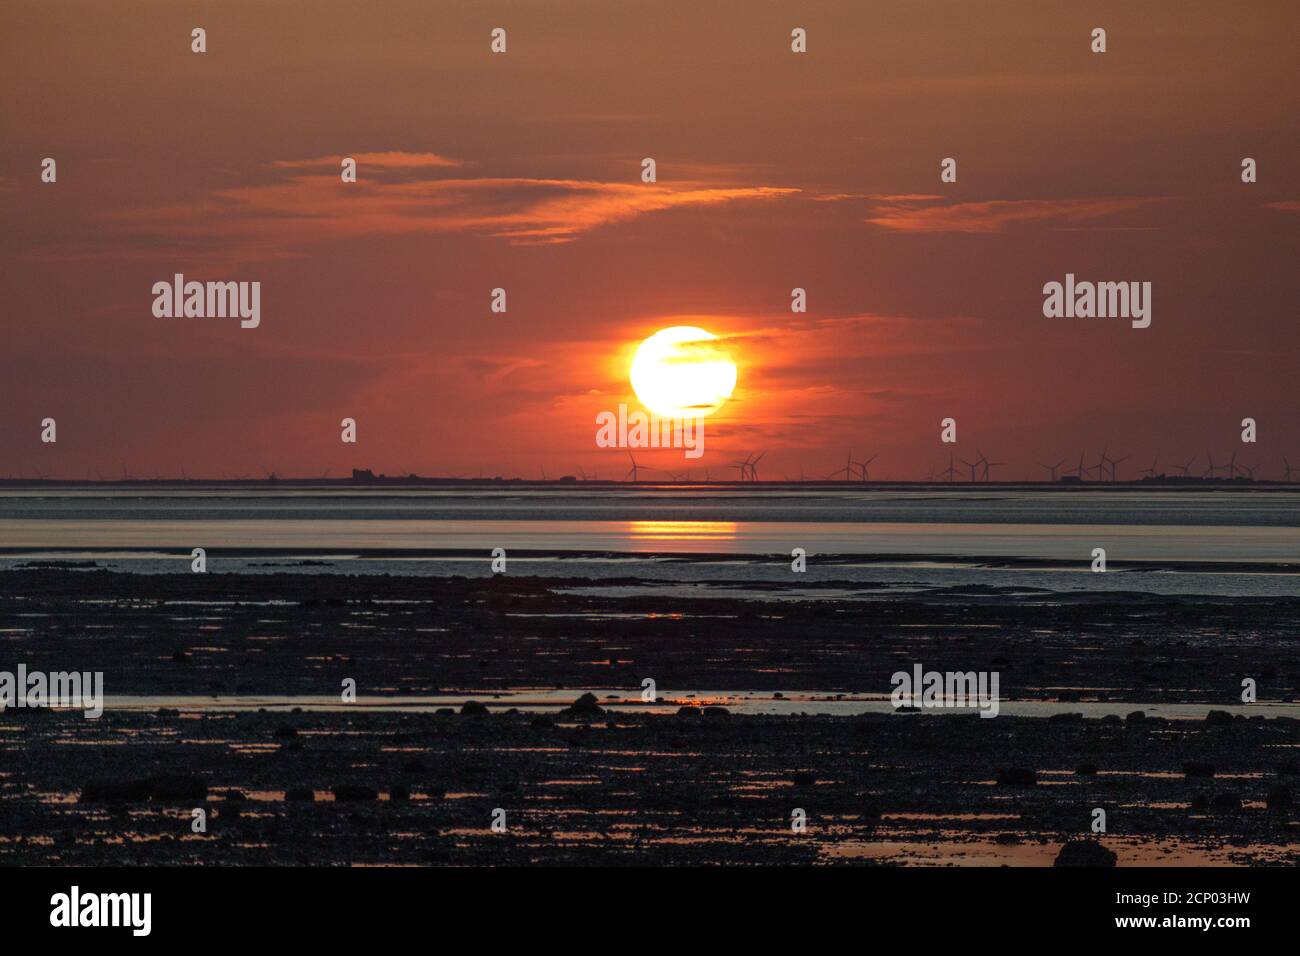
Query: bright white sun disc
682	372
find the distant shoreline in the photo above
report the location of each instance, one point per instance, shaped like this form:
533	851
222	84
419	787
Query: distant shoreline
692	557
568	482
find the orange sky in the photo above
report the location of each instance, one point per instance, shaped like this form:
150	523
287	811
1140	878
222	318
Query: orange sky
522	171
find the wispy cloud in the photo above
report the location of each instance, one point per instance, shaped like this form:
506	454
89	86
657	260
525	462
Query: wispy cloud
305	207
369	161
918	215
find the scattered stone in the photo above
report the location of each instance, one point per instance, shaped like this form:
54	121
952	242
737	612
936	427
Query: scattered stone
164	788
543	721
1280	798
115	791
1226	801
1017	777
585	706
352	793
1085	853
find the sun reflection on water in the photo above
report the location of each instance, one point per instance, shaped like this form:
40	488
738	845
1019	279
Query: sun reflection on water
682	530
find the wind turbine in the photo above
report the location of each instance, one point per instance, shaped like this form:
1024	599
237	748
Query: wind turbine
1232	466
1100	467
633	471
864	465
1289	470
988	464
1052	468
972	465
753	466
846	471
950	472
1213	467
1116	463
1151	472
1250	471
1187	468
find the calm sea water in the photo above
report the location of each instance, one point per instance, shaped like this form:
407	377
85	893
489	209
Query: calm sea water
1169	540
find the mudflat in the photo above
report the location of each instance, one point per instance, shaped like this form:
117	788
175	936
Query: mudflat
681	782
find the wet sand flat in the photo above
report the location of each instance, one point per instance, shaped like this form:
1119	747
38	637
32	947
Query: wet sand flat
627	785
392	789
304	634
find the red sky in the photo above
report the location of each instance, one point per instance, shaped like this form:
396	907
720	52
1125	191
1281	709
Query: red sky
522	171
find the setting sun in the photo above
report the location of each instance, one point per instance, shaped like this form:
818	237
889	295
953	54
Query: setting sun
680	372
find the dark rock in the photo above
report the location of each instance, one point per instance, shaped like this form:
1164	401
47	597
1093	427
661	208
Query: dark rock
473	708
801	778
285	732
585	706
399	791
179	786
543	721
1085	853
165	788
1134	718
716	712
1197	768
413	766
115	791
352	792
1017	777
1087	769
1226	801
299	795
1218	718
1280	798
